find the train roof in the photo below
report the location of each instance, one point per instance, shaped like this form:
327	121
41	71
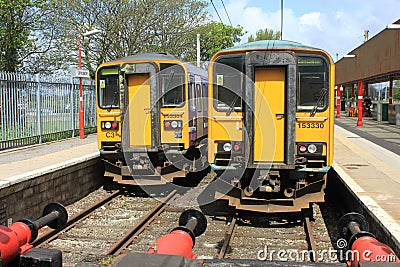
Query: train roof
272	44
149	57
162	56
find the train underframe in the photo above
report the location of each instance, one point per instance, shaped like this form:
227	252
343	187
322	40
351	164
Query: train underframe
271	190
146	167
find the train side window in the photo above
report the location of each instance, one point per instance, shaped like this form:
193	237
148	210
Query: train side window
193	94
204	94
228	77
313	83
108	87
199	98
172	86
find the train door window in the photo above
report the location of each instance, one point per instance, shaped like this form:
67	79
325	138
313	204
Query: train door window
172	85
108	87
313	84
228	77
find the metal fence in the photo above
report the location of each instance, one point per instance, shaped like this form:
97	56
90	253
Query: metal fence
39	108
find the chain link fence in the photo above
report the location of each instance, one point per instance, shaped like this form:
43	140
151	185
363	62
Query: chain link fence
40	108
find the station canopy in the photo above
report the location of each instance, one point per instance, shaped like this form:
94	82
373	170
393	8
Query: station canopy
376	60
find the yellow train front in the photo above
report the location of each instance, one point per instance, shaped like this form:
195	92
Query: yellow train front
151	117
271	122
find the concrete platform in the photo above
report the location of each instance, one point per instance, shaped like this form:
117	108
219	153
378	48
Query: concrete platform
26	162
31	177
367	159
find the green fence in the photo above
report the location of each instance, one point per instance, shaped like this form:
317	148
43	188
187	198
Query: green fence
41	108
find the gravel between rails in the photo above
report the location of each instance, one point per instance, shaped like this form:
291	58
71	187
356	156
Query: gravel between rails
250	239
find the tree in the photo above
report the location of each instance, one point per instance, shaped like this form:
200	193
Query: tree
20	19
41	35
128	27
265	35
216	36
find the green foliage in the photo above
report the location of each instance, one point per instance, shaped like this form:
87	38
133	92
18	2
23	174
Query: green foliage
216	36
265	34
20	20
129	27
41	35
396	90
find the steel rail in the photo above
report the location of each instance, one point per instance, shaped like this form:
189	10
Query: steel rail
227	239
312	246
53	234
132	234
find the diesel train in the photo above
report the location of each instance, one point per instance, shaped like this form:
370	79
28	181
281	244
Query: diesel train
262	118
271	125
151	118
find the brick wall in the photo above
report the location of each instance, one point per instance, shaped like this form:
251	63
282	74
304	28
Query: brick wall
27	199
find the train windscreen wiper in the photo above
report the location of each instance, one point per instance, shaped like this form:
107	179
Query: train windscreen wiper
171	75
231	106
321	97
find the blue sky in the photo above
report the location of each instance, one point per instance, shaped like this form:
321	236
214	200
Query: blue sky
336	26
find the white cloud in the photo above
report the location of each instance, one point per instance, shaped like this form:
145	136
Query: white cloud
336	27
311	19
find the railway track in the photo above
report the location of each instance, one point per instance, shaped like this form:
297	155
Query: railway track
123	222
103	228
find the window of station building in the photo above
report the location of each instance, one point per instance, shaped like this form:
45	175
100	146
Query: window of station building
313	83
172	78
108	87
228	83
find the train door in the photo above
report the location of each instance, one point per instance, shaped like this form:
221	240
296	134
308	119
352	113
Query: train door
140	107
139	110
269	114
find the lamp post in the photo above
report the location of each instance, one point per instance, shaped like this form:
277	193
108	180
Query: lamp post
81	113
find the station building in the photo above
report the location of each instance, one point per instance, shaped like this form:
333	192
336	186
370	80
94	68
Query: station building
375	61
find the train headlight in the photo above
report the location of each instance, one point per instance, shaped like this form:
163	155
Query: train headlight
236	147
224	146
227	147
312	149
174	124
302	148
109	125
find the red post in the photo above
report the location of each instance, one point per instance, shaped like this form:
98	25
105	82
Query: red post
391	90
359	103
81	113
338	101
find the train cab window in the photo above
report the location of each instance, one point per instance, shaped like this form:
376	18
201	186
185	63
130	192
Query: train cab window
108	87
313	84
172	85
228	77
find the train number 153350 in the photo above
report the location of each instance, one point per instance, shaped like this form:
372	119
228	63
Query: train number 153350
312	125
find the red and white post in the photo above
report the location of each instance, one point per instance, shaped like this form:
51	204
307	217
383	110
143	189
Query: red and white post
360	103
338	87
